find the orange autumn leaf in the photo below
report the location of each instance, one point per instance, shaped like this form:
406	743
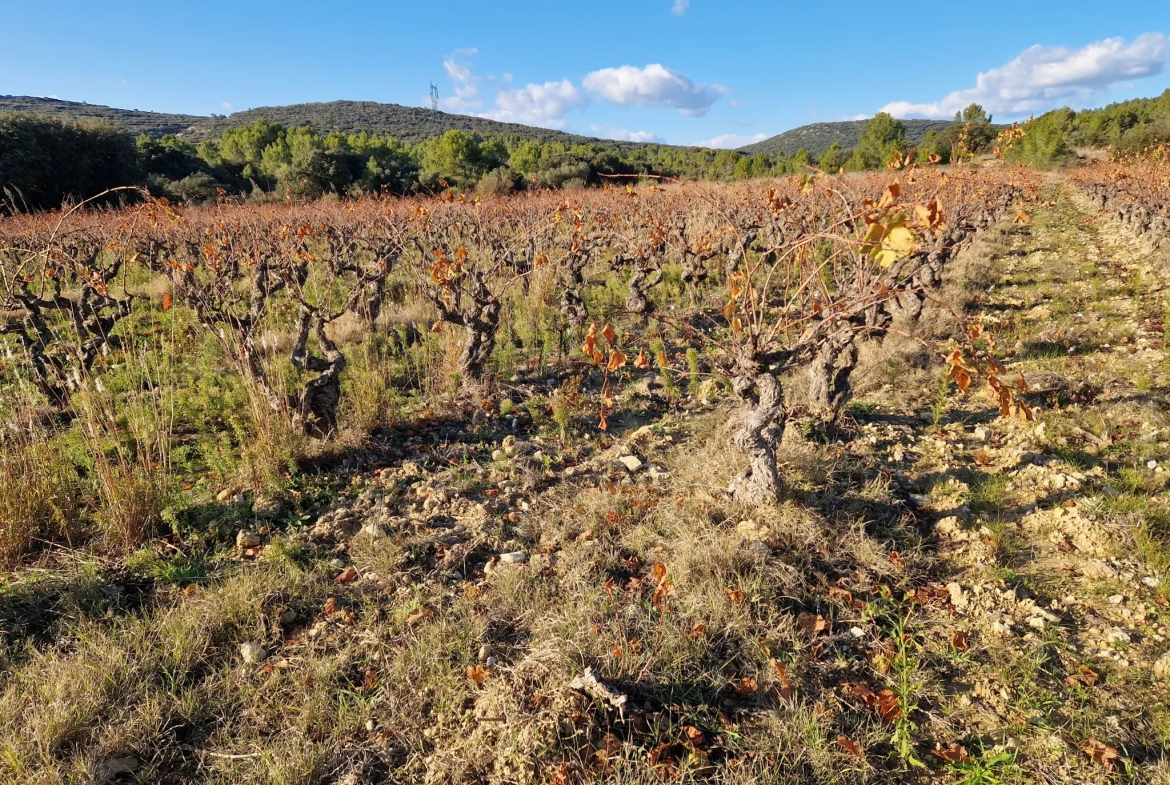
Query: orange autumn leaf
417	615
888	706
813	625
952	753
736	595
692	736
1100	752
348	576
745	686
960	376
643	361
1084	675
616	360
786	688
369	681
891	195
477	674
850	746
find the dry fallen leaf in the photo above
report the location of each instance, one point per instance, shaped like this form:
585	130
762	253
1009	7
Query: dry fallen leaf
786	688
813	625
348	576
745	686
952	753
331	605
693	736
959	640
658	755
369	681
886	702
1085	675
888	706
736	595
849	745
477	674
1100	752
418	614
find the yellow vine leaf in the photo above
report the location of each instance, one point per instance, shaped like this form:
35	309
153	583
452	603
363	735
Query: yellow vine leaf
898	243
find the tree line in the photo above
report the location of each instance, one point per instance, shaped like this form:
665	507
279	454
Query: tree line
45	161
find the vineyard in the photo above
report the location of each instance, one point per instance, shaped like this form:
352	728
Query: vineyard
846	478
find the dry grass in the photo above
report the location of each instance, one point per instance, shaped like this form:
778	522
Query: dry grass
740	670
38	495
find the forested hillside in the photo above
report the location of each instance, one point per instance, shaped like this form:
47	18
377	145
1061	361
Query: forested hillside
405	123
817	138
136	122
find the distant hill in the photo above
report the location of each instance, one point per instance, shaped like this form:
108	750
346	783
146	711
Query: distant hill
414	124
132	120
817	137
407	123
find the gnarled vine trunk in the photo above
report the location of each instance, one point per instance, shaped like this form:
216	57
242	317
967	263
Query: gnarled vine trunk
641	281
828	376
480	329
572	301
759	387
315	406
58	363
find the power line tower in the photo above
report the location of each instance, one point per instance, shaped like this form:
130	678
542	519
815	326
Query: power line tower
438	126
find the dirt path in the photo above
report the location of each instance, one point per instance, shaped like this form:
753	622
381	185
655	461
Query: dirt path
1053	536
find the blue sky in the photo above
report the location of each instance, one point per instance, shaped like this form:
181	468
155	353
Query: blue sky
682	71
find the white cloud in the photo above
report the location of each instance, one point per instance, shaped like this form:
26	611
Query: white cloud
654	85
680	7
466	83
1045	77
538	104
228	105
621	134
535	104
730	141
125	83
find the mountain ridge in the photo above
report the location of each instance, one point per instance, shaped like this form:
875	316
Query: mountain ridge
405	123
816	137
416	124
